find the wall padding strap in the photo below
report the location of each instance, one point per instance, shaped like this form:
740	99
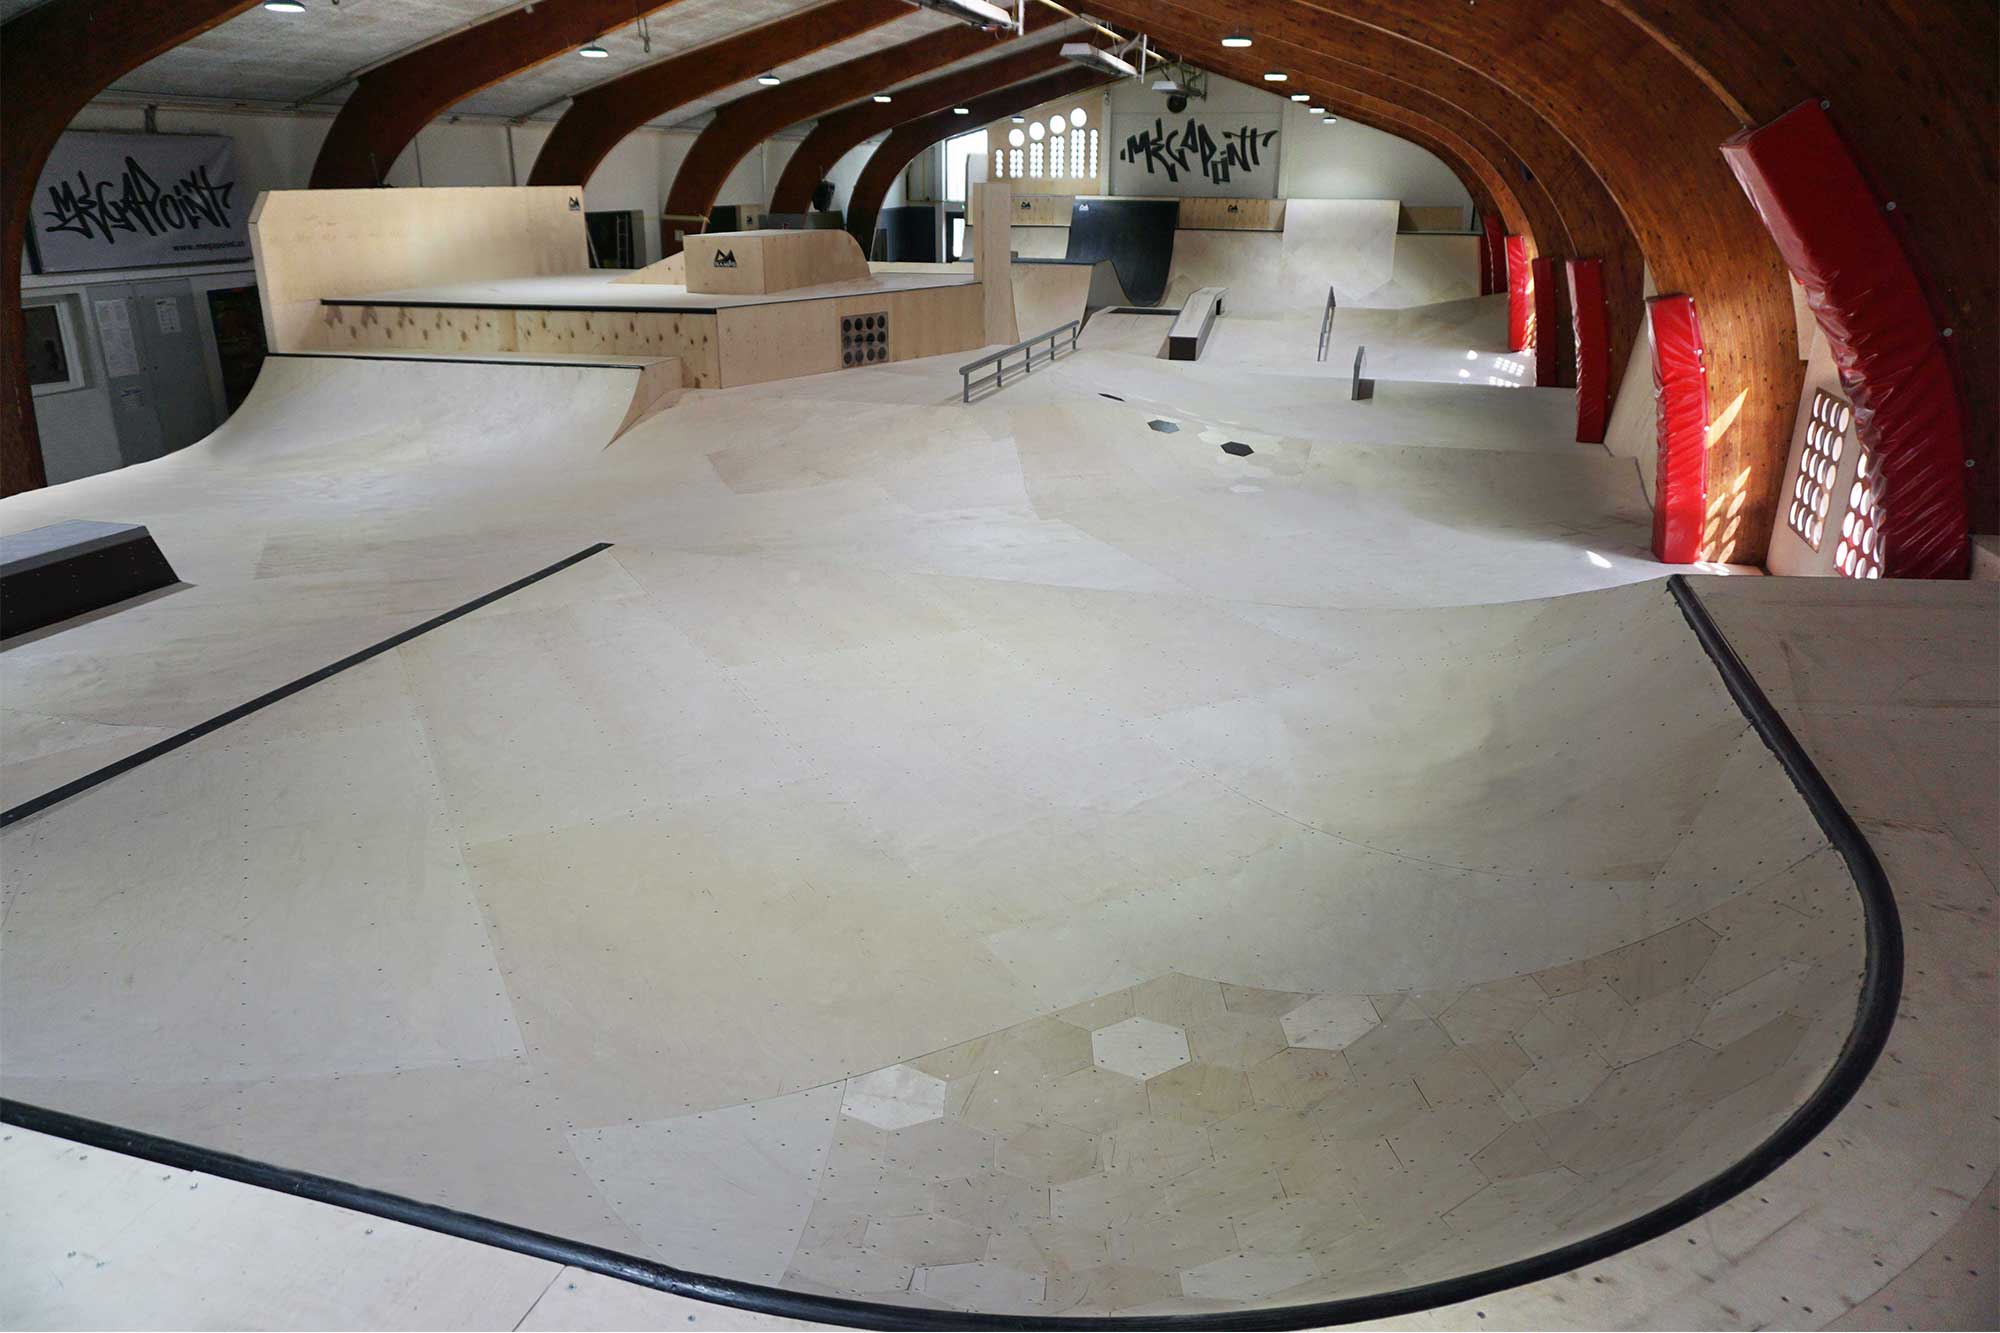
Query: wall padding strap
1593	367
1546	293
1871	307
1492	255
1680	398
1520	295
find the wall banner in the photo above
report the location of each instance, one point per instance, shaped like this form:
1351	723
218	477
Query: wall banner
1200	153
134	200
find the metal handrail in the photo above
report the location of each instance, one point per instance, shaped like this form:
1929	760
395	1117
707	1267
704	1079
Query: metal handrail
1326	324
998	360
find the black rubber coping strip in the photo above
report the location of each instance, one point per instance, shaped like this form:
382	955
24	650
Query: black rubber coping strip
35	805
1881	990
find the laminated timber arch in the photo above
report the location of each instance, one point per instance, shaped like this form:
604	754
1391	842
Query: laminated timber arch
837	133
912	137
53	59
1913	91
597	120
391	103
1521	142
743	124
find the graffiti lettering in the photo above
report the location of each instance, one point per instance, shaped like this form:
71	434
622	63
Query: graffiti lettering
135	203
1169	152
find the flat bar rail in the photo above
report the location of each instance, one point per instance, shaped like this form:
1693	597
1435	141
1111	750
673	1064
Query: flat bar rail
1326	324
1026	347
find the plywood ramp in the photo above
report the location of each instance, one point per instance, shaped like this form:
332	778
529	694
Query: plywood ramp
308	244
1048	296
671	271
757	263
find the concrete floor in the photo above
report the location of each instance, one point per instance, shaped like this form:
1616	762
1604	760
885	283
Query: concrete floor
1010	857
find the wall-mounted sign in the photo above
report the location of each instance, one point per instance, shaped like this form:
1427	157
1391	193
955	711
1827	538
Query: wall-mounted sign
1203	153
135	200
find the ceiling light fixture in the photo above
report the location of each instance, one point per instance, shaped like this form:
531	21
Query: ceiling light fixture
976	12
883	97
1018	120
1275	76
961	111
284	6
1302	97
1083	53
769	80
593	52
1236	41
1315	111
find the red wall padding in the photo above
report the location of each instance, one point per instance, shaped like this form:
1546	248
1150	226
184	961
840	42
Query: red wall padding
1492	255
1872	309
1593	364
1544	292
1520	301
1680	399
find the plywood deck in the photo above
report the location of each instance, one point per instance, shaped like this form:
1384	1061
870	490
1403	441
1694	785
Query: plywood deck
600	290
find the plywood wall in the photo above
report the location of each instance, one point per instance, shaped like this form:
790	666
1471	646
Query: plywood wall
989	213
762	262
310	244
688	336
781	340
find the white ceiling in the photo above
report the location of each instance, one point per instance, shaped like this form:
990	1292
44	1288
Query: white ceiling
309	59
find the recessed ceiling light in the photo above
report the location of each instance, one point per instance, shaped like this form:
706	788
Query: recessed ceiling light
769	80
284	6
1275	76
1235	41
1330	120
883	97
593	52
961	111
1315	111
1302	97
1018	120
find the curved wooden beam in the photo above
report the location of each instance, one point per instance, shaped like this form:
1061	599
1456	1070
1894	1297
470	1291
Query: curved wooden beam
391	103
839	132
743	124
864	204
1914	91
53	59
598	119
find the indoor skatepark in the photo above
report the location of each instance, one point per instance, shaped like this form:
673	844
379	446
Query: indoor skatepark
648	805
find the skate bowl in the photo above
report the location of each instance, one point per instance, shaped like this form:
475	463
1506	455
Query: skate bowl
822	911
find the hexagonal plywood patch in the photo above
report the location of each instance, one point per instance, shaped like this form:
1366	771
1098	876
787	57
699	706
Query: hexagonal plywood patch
1139	1048
1329	1022
894	1098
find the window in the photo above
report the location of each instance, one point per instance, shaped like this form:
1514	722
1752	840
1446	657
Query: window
53	363
1812	487
956	150
1859	555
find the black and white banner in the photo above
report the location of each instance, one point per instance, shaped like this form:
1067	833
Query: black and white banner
133	200
1199	153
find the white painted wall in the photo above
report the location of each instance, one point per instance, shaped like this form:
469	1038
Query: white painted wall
1315	161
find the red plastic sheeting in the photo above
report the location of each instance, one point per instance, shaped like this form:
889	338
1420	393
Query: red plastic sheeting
1520	295
1593	352
1492	256
1544	292
1884	336
1680	399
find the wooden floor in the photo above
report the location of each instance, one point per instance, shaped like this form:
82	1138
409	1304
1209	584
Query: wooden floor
1019	857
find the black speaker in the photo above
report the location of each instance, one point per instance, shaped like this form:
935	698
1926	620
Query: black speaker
1177	103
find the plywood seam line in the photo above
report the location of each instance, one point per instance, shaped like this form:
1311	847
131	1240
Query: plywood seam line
35	805
1875	1015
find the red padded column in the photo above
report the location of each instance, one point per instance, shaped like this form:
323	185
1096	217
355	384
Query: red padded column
1492	255
1593	371
1680	399
1878	322
1520	287
1547	335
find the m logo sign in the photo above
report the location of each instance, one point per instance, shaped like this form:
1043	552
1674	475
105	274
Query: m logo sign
725	259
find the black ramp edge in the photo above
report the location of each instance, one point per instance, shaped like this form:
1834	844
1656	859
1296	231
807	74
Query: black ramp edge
1881	990
36	804
71	569
1136	235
